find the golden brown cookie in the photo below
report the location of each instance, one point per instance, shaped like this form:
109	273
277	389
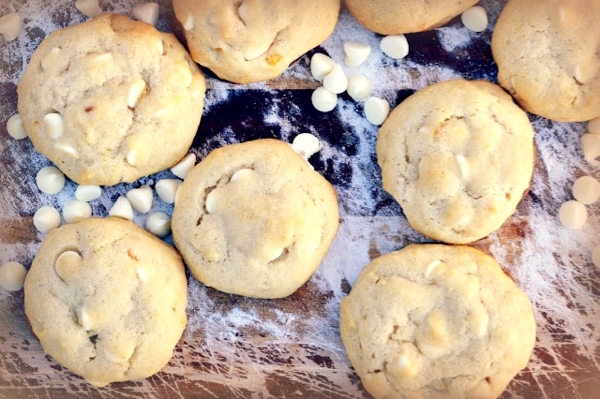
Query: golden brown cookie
254	219
436	321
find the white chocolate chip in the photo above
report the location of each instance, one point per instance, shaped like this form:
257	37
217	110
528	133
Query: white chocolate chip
395	46
75	211
46	218
84	319
67	149
50	59
159	224
89	8
130	157
141	273
67	265
140	198
87	193
121	208
475	19
15	128
377	110
160	47
50	180
594	126
135	92
274	254
184	166
113	357
336	81
102	58
596	256
189	22
241	175
431	267
463	165
356	53
572	215
323	100
591	148
401	367
12	276
147	12
10	26
359	87
586	190
166	189
54	124
320	66
211	201
306	145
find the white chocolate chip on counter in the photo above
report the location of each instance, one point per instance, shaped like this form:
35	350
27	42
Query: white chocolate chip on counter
572	215
596	255
89	8
395	46
336	81
10	26
67	265
159	224
306	145
188	24
135	92
323	100
87	193
184	166
54	124
140	198
586	190
320	66
122	208
376	110
594	126
147	12
67	149
166	189
12	276
356	53
475	19
359	87
591	148
75	211
46	218
15	128
50	180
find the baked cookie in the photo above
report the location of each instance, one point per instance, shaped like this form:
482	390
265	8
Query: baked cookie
405	16
253	40
458	156
548	56
111	100
436	321
254	219
107	299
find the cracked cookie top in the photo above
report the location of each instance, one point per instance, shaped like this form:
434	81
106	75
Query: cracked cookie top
548	56
254	219
436	321
107	299
458	156
111	100
246	41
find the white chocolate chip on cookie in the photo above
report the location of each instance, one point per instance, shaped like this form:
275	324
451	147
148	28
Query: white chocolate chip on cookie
135	92
55	125
46	218
68	264
84	319
242	175
67	149
50	180
12	276
15	128
188	24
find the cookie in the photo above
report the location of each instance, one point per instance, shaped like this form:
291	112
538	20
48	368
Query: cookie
436	321
458	156
252	41
254	219
111	100
548	58
107	300
405	16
